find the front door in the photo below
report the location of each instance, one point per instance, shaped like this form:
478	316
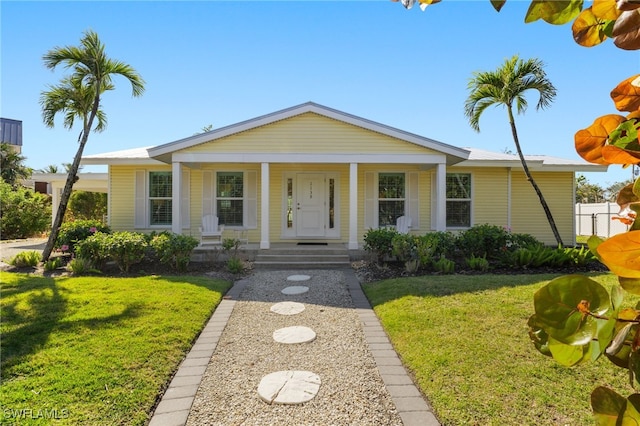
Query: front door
310	205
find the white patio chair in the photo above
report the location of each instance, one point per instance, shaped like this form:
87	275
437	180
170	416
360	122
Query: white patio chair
403	223
210	232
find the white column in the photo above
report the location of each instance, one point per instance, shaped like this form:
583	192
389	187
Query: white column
509	198
441	197
264	206
176	198
353	206
55	199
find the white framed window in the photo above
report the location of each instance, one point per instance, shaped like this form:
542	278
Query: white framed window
458	194
160	203
232	196
391	198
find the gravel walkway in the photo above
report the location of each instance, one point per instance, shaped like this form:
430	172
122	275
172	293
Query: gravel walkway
352	391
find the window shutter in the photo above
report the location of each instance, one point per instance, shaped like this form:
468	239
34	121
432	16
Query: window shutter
185	201
413	210
251	197
140	203
369	201
207	192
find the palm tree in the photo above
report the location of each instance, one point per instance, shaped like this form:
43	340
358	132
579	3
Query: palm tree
78	96
12	168
51	168
506	86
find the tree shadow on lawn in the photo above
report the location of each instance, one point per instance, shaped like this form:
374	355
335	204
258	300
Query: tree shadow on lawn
47	307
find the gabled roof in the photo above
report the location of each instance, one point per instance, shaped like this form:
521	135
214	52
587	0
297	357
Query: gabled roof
163	152
127	156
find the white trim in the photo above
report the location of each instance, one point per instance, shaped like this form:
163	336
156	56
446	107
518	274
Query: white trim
176	198
509	198
271	157
441	198
264	208
353	206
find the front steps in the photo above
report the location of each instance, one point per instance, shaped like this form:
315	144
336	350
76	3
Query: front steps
299	257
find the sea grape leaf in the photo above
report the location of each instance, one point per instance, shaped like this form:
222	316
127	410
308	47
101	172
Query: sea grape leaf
558	307
588	29
626	95
617	296
593	242
628	4
607	405
538	336
632	285
626	31
590	141
615	155
570	355
630	414
625	136
626	196
606	9
497	4
557	12
621	254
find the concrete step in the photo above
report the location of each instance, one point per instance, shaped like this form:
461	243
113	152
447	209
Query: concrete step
305	257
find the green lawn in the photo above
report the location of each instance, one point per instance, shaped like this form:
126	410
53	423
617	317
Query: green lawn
465	340
95	350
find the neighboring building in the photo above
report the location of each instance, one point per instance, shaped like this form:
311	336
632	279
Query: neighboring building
11	133
314	174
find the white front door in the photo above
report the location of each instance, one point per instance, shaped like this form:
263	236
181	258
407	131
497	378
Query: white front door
310	205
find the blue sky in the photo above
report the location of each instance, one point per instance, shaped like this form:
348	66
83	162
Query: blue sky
216	62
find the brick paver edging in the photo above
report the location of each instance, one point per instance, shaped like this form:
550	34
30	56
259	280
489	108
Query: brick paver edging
411	405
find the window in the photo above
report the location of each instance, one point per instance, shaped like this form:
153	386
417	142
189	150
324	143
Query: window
160	187
391	198
458	200
230	198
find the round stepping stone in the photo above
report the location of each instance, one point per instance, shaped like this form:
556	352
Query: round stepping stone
295	334
298	278
289	387
287	308
295	289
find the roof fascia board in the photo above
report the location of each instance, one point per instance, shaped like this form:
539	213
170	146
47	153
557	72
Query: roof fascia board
310	158
111	161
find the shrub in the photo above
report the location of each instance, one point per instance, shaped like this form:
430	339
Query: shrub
379	242
126	248
483	240
71	233
25	259
94	248
444	266
478	263
231	246
52	264
174	249
81	266
24	213
235	265
442	243
84	205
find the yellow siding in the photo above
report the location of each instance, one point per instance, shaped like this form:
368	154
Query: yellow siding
490	193
310	133
527	213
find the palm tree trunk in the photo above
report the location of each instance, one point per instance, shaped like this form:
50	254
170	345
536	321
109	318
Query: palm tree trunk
527	173
71	179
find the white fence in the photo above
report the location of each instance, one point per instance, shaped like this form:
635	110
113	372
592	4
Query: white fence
596	219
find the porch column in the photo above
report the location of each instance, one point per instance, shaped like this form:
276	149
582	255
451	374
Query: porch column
441	197
353	206
176	197
56	191
264	206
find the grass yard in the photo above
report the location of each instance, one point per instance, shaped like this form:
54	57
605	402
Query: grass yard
465	340
95	350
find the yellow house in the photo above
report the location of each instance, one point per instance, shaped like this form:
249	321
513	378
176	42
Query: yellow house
314	174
